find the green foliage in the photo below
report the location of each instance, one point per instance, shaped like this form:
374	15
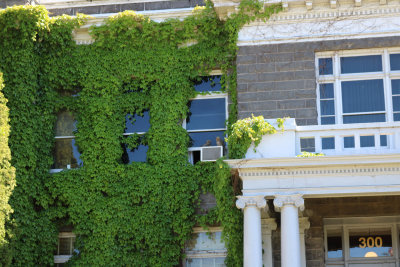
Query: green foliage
7	175
139	214
246	132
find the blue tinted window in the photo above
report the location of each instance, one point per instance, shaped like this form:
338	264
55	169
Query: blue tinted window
206	114
396	117
199	139
136	123
325	66
137	155
396	87
208	84
327	120
348	141
395	61
307	144
367	141
327	107
328	142
383	140
361	64
363	96
396	103
326	90
364	118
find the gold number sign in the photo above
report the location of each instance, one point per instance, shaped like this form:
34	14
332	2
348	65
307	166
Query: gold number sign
370	242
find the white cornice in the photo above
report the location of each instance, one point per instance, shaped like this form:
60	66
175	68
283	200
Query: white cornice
298	162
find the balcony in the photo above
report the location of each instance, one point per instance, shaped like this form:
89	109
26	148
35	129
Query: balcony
330	140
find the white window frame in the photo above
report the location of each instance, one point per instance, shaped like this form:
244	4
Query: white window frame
336	78
209	254
345	225
208	95
64	258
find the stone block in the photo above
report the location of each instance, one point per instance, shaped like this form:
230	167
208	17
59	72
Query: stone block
247	59
132	6
110	9
246	77
263	86
180	4
291	104
157	5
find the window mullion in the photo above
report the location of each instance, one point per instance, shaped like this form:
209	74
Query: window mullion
337	89
387	87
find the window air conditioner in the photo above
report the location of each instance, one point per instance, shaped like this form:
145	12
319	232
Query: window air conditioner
206	153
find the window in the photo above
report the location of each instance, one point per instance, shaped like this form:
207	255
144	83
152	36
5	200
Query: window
66	154
205	249
65	248
358	86
361	241
136	124
206	120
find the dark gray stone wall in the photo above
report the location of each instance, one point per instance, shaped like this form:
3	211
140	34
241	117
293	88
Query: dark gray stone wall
7	3
279	80
115	8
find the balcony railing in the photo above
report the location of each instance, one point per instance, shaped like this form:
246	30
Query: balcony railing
345	139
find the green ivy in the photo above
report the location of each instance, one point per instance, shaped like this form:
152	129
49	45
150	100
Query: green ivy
139	214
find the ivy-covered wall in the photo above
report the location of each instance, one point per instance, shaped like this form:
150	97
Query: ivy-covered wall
137	214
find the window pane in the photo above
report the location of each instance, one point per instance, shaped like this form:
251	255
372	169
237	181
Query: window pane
335	249
325	66
137	155
327	107
361	64
66	154
363	96
207	138
348	141
136	123
396	87
66	124
307	144
370	243
327	120
383	140
395	61
396	116
65	245
208	84
364	118
328	142
396	103
367	141
326	90
206	114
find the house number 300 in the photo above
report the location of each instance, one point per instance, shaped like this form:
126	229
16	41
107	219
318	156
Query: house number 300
370	242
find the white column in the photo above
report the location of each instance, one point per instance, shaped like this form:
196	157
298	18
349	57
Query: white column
267	226
290	239
252	244
304	224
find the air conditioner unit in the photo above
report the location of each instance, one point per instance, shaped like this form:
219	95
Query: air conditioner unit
205	153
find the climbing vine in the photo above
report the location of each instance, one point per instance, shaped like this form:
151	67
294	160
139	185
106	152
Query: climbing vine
138	214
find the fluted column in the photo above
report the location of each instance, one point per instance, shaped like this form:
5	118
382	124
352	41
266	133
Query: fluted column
288	205
252	243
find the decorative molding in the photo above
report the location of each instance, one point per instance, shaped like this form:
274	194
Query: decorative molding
325	171
251	201
296	200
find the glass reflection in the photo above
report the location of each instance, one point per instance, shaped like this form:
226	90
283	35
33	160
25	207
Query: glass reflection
200	139
136	123
361	64
335	245
328	142
206	114
208	84
395	61
370	243
367	141
325	66
137	155
66	124
66	154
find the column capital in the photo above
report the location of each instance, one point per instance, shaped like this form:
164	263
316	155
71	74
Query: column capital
296	200
251	201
